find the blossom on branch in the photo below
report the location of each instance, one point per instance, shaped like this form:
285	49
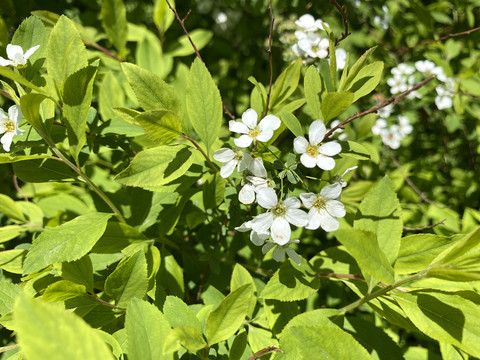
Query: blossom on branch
251	131
232	160
9	125
16	56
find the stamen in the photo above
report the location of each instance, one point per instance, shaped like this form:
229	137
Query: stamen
279	210
319	203
10	126
312	150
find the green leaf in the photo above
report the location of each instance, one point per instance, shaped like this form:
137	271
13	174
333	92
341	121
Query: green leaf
179	314
355	69
292	123
12	260
77	97
149	55
286	84
147	330
157	166
30	105
46	331
10	208
116	237
128	280
292	282
79	271
151	91
366	80
354	150
241	277
183	47
8	158
67	242
162	15
279	313
445	317
462	251
189	337
363	246
37	171
114	21
381	214
313	91
418	251
204	104
225	320
66	53
110	95
161	126
10	232
30	33
335	103
12	75
63	290
170	275
9	292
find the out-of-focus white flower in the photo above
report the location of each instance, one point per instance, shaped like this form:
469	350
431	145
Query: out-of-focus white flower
16	56
341	58
280	216
402	69
232	160
221	18
341	134
398	84
379	127
425	66
392	137
443	99
404	126
385	111
9	125
324	208
308	23
314	48
314	154
383	20
251	131
280	250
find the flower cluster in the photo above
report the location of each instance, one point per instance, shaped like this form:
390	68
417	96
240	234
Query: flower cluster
383	20
392	135
272	227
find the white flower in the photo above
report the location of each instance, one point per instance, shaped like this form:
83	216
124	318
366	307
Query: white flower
398	83
425	66
342	135
280	216
339	178
384	19
403	69
324	208
255	237
251	131
443	99
385	111
314	46
16	56
9	125
392	137
341	58
314	154
404	126
254	183
308	23
232	159
279	252
379	127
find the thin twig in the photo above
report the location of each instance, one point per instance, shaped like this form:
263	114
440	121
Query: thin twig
4	93
425	227
19	190
272	20
410	182
355	277
197	53
341	10
393	99
265	351
9	347
102	49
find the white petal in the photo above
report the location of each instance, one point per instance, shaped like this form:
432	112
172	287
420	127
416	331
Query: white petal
292	202
250	118
308	161
245	162
267	198
325	162
227	169
267	247
313	219
2	127
246	226
297	217
19	131
265	135
327	221
7	141
280	231
5	62
15	114
243	141
14	52
30	52
300	144
331	191
246	194
331	148
317	132
259	238
308	199
269	122
261	223
237	127
278	254
294	256
224	155
256	168
335	208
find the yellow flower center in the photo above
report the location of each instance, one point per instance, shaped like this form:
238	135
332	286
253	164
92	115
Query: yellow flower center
254	133
279	210
10	126
319	203
312	150
239	156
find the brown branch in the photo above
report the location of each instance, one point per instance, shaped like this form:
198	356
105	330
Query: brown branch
393	99
449	36
4	93
102	49
265	351
19	190
341	10
272	20
425	227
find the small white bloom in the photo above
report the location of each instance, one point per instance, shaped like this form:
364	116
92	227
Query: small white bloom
255	237
279	252
404	126
254	183
251	131
380	125
392	137
9	125
315	48
403	69
280	216
425	66
16	56
339	178
232	160
383	20
385	111
443	99
341	58
308	23
342	135
398	84
324	208
314	154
